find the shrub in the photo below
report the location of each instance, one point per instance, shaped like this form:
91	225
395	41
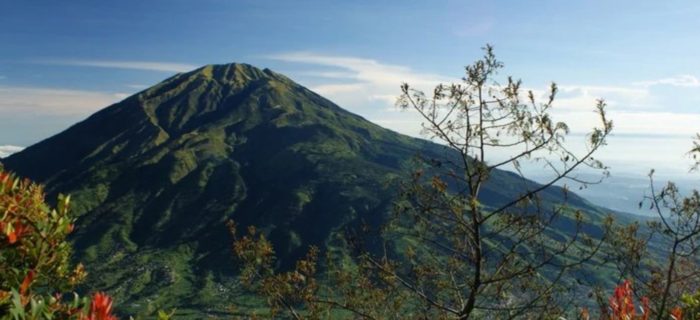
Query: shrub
35	268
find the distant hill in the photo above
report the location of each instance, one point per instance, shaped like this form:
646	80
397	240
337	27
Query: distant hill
154	178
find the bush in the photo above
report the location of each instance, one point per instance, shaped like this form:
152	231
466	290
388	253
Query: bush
35	268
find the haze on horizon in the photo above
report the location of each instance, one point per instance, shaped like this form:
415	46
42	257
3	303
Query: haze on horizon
62	61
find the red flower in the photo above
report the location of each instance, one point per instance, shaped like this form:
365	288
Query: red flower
100	308
622	302
622	305
26	282
17	233
677	313
645	308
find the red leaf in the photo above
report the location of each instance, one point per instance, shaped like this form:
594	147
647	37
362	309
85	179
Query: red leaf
101	307
26	282
677	313
16	234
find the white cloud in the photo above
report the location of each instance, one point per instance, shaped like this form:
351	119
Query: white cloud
405	125
365	70
7	150
365	86
575	104
329	74
135	65
337	89
359	82
635	123
635	109
686	80
369	88
45	101
657	123
573	98
121	95
388	99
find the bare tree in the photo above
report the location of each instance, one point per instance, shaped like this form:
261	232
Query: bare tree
448	254
500	259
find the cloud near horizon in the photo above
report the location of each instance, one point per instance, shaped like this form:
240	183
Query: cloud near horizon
7	150
49	101
358	80
370	87
684	80
159	66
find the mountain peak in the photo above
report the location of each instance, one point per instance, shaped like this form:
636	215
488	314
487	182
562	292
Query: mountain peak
217	94
234	73
211	105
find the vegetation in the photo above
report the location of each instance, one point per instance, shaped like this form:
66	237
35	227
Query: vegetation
443	259
154	177
667	281
447	253
498	260
347	225
22	202
163	170
35	268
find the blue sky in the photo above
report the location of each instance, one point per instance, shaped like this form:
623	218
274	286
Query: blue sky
62	60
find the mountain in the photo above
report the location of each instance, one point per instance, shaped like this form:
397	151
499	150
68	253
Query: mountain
154	177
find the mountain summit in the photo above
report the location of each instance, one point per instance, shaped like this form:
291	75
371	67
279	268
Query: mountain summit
154	178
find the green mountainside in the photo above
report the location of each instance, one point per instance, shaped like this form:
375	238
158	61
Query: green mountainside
154	177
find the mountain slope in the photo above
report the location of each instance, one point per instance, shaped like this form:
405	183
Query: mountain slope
155	177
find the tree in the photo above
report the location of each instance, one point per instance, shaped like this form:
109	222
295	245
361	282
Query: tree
447	255
672	271
507	248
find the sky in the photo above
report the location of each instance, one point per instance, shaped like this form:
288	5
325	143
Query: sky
60	61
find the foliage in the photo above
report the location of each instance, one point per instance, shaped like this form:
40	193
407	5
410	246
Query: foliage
100	308
691	305
502	259
621	306
676	232
284	290
153	177
33	242
447	253
35	268
345	291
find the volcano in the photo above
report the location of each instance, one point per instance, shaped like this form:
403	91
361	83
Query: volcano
154	177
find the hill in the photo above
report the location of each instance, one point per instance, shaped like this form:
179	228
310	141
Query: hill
154	178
